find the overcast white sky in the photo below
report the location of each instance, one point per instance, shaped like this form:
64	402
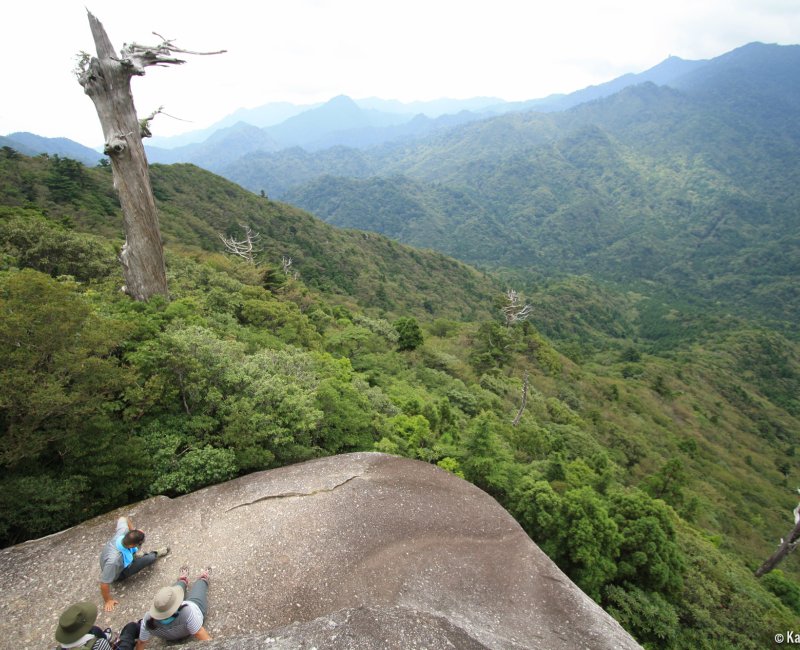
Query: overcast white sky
306	51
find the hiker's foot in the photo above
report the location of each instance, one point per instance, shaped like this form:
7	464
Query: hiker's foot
184	575
161	552
205	574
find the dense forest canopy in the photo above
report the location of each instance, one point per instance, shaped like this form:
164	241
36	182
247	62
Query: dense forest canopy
654	459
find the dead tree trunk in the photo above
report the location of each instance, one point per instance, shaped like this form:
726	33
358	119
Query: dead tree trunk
106	79
787	545
524	401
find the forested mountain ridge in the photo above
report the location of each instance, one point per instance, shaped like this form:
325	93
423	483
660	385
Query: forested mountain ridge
688	187
654	461
31	144
197	206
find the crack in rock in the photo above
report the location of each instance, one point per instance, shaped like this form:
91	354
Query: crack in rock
286	495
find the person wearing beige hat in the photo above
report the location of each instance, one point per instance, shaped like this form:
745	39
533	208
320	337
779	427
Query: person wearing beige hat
76	628
173	616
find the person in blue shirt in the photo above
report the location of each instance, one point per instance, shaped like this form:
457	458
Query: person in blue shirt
121	558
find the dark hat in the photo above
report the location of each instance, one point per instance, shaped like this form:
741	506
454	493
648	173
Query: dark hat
76	621
166	602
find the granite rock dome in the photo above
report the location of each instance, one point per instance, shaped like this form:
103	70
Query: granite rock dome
354	551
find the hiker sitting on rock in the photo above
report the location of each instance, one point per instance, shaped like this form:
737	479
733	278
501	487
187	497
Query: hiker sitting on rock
121	558
173	618
76	628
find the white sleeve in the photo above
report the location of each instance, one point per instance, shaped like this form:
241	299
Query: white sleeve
144	633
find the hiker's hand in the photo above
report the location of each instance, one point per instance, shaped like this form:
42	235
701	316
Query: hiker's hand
110	605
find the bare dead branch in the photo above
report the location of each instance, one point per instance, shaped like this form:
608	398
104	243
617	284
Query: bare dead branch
524	400
514	310
244	248
141	56
286	264
144	123
169	41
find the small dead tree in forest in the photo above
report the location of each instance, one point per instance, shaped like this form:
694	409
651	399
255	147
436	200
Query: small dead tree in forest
786	546
244	248
514	310
286	264
106	79
523	402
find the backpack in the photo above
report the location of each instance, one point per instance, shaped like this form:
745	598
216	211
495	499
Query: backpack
93	641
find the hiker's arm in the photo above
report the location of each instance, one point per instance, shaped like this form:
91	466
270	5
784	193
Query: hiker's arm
110	603
140	645
201	635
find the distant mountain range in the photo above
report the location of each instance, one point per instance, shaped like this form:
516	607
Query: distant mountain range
689	185
359	123
339	122
368	123
33	145
663	74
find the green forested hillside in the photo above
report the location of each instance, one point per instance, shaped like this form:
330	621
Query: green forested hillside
196	206
693	188
275	173
588	202
654	458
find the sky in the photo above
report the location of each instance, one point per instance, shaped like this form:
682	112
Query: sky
308	51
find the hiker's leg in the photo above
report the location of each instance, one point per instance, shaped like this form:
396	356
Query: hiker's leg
128	636
199	596
137	565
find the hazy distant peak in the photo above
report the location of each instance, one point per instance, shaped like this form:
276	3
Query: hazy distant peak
237	127
432	108
341	100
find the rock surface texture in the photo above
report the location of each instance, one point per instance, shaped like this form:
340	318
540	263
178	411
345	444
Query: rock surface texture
354	551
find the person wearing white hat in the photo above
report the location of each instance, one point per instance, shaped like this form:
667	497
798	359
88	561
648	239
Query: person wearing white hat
173	616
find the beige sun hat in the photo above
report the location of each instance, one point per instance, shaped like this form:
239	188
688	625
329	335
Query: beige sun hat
166	602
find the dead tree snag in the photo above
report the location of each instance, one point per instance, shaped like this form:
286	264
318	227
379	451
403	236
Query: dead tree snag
523	402
244	248
106	79
787	545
